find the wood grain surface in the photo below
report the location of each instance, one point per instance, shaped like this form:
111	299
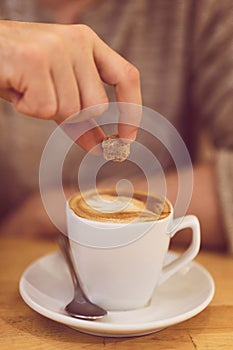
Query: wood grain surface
23	328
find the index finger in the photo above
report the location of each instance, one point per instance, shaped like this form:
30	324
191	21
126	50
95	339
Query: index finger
86	133
115	70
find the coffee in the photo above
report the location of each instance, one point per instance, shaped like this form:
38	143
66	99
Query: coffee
108	206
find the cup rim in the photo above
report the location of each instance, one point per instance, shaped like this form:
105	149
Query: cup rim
108	223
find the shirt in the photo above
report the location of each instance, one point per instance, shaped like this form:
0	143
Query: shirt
184	51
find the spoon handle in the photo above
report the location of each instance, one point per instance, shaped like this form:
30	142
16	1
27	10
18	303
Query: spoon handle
80	306
65	249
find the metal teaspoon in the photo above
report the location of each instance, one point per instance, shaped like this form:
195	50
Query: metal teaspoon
80	306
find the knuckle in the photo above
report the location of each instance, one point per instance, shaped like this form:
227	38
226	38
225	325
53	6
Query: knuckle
38	54
132	73
102	108
67	111
99	100
46	111
53	45
54	41
102	98
35	55
84	29
82	34
96	110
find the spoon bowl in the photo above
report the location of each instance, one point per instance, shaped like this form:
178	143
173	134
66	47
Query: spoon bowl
80	306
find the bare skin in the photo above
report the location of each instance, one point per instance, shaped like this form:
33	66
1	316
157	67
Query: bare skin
55	86
204	201
51	71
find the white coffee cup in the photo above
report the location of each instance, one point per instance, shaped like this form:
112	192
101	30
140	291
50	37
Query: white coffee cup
120	265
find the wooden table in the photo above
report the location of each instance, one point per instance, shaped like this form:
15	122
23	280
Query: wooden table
23	328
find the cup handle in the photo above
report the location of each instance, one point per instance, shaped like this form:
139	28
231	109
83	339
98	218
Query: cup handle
189	221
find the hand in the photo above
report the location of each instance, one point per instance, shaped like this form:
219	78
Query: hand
53	71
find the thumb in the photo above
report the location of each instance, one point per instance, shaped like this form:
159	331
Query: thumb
10	95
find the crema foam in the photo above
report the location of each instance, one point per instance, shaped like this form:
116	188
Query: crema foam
108	206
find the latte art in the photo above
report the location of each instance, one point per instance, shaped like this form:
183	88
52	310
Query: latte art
107	206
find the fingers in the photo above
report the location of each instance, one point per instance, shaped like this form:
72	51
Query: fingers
115	70
87	134
128	90
36	95
49	88
61	70
66	87
9	94
91	87
129	120
85	81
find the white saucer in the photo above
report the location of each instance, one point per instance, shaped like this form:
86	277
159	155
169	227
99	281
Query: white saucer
46	287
